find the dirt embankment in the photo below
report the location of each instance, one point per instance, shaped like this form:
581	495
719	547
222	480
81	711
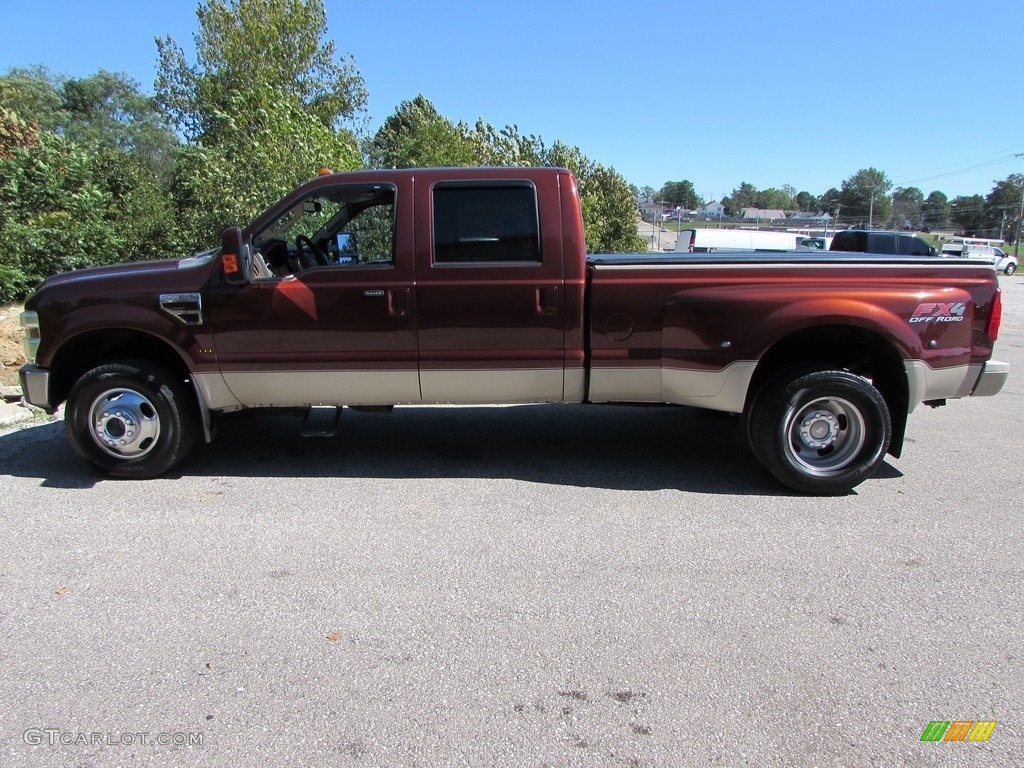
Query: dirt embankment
11	357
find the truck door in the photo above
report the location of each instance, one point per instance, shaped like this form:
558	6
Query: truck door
332	319
490	291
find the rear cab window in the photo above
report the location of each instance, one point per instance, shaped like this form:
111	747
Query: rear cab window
486	223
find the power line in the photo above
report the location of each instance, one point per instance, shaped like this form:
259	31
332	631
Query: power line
985	161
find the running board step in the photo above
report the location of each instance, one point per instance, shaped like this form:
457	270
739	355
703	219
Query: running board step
321	421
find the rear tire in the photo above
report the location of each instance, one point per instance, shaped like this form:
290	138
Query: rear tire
132	418
820	432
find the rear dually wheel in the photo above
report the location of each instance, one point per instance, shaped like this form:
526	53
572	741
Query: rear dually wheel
820	432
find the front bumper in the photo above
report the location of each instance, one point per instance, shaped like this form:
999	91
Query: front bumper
35	386
994	374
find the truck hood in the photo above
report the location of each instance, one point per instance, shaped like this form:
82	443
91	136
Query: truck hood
131	269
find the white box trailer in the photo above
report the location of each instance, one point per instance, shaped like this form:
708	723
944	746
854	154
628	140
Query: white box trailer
711	240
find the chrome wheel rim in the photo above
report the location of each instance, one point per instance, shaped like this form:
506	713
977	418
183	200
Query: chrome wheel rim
824	435
124	423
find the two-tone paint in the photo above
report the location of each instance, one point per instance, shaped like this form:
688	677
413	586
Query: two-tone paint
704	331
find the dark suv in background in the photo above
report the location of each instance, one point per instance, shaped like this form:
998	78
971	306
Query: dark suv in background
880	241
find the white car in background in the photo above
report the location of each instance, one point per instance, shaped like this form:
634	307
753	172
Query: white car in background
1006	263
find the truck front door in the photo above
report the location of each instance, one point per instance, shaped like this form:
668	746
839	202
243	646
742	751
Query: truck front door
331	320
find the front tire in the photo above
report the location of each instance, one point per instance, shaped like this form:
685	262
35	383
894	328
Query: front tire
131	419
822	432
1009	269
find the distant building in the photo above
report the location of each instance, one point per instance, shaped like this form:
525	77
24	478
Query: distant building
651	211
762	214
806	218
713	210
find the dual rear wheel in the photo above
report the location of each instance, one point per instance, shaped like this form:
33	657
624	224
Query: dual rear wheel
820	432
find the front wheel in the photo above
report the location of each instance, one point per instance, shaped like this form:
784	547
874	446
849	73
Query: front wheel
131	419
822	432
1009	269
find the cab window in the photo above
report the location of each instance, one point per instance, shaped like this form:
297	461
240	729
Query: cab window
337	227
485	223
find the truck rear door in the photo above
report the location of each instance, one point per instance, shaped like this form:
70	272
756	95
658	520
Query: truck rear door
490	288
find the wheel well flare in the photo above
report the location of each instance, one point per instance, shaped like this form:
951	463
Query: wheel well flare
93	348
842	347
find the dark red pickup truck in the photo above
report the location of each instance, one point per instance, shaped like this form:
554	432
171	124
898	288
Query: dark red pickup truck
379	288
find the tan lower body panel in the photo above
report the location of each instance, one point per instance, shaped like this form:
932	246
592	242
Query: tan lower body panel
482	387
301	388
470	387
724	390
927	383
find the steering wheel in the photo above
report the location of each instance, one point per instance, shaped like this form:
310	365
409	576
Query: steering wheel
319	257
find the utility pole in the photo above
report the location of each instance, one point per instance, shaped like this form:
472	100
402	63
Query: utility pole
1021	214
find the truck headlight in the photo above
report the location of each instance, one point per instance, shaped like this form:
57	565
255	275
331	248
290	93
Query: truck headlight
30	344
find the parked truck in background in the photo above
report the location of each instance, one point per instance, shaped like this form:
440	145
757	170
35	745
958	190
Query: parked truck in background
888	242
381	288
1005	262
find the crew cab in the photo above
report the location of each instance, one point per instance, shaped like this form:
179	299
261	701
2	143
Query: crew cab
381	288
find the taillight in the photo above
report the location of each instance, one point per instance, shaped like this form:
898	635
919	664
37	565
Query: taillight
995	317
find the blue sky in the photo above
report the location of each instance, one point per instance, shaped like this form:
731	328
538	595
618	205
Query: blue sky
795	93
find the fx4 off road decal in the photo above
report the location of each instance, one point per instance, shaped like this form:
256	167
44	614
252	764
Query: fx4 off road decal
937	312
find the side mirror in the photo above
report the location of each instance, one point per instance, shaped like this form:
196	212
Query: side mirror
235	257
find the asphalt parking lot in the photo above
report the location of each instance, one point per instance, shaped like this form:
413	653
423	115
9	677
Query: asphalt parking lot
531	586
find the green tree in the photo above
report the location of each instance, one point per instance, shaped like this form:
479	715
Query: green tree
262	108
506	146
935	210
968	213
76	189
805	201
34	93
416	135
15	133
680	193
779	199
1002	206
108	110
54	213
864	196
743	196
104	110
245	46
609	208
830	202
907	205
